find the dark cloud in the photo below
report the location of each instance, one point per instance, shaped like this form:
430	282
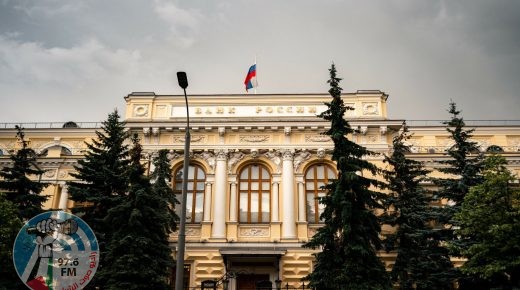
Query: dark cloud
82	53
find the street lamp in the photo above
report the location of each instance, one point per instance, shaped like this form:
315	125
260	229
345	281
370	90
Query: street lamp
181	239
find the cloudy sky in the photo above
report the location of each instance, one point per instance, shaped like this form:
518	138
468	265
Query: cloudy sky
64	60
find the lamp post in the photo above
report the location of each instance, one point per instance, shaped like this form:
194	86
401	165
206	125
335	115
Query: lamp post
181	239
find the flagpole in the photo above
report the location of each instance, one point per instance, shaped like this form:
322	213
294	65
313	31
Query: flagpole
256	73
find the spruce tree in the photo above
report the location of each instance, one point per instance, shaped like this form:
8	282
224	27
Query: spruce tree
10	224
421	261
349	239
23	192
102	182
161	176
490	219
463	166
139	253
463	170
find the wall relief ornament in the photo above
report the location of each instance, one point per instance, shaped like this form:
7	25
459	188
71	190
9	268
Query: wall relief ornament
221	154
321	153
370	109
172	155
254	153
254	139
208	157
317	138
274	156
50	173
234	158
288	154
62	174
140	110
299	158
482	143
254	232
514	144
193	139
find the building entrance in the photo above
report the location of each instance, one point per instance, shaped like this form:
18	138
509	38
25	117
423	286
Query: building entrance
249	281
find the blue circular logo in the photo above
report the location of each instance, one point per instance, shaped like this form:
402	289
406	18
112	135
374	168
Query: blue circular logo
56	251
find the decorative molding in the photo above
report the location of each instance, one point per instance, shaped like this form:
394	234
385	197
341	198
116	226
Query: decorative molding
256	231
321	153
274	156
299	158
254	139
383	130
62	174
370	109
172	155
234	158
140	111
288	155
254	153
190	231
317	138
50	173
221	131
221	154
208	157
194	139
372	138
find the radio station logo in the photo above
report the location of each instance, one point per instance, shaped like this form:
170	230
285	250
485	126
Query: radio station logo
56	251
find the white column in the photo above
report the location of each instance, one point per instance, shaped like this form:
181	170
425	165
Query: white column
233	203
288	219
64	197
207	202
274	203
219	205
301	203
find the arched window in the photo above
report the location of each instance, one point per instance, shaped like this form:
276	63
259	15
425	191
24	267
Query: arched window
195	193
494	149
316	177
65	151
254	190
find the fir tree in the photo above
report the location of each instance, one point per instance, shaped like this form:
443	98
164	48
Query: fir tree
349	238
463	168
23	192
102	181
490	219
421	262
162	176
10	224
138	253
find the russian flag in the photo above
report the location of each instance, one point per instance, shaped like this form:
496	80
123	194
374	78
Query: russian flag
250	80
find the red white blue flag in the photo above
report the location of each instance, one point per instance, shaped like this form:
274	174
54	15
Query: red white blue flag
250	80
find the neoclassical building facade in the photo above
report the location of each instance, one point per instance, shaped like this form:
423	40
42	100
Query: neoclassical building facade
257	164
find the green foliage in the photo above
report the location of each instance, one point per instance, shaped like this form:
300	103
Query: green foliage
23	192
420	261
349	238
162	187
138	253
464	165
102	181
490	219
10	224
